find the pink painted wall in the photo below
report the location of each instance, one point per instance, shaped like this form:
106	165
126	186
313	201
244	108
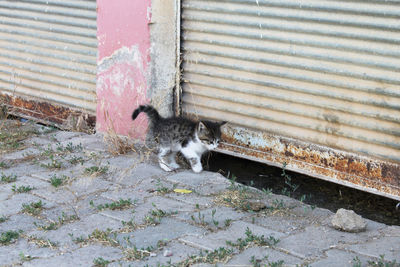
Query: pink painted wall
123	60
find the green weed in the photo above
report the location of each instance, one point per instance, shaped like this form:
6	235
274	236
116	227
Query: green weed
212	257
100	262
252	239
3	219
116	205
21	189
95	170
9	237
53	164
8	178
34	208
381	262
58	181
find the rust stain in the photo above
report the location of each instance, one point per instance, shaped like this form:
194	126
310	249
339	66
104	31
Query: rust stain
366	173
44	111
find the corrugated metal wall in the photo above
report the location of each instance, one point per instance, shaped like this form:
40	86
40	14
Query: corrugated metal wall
48	51
324	72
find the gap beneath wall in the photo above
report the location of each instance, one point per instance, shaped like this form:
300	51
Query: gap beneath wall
310	190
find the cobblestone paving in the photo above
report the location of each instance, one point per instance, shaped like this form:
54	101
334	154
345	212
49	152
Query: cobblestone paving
65	200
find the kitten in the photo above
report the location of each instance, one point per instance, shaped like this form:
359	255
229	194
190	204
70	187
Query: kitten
178	134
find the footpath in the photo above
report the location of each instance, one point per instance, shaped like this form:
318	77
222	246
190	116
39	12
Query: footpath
67	199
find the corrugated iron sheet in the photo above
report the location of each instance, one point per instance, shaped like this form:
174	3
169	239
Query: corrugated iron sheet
320	72
48	51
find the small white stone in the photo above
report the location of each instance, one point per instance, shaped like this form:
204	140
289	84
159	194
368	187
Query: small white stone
349	221
167	253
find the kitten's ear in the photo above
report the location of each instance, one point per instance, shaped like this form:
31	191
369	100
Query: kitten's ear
201	127
222	123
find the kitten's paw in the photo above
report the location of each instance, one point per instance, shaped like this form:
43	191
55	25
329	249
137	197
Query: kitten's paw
197	168
174	165
165	167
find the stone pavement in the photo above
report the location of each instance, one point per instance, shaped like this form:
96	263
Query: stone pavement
65	200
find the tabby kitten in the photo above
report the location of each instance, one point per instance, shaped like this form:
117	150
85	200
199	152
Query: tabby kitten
178	134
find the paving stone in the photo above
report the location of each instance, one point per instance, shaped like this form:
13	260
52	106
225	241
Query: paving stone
116	193
84	207
264	256
140	172
162	203
62	136
179	253
168	229
81	228
80	257
39	141
13	205
32	182
390	230
314	240
154	185
17	222
46	175
194	180
193	199
88	185
22	169
55	195
314	215
120	215
218	239
389	246
22	154
212	188
11	254
335	257
213	218
285	223
5	195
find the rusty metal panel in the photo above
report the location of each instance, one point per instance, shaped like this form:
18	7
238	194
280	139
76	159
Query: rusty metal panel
48	51
317	73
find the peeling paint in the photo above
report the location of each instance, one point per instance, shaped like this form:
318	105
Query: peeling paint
121	86
123	63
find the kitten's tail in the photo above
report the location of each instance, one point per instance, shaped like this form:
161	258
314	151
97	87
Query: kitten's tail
151	112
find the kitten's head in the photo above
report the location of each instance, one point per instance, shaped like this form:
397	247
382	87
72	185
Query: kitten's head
209	133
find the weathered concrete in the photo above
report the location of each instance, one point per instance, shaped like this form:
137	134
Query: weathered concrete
79	224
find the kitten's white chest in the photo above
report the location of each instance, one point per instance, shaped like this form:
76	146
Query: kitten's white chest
196	148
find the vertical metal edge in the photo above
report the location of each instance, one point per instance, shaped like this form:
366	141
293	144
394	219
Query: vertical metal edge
49	113
178	90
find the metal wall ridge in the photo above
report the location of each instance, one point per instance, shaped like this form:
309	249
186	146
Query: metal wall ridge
48	27
49	36
48	9
299	62
50	45
353	7
290	96
309	110
51	19
301	51
298	14
271	115
61	56
296	76
296	38
295	26
79	4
